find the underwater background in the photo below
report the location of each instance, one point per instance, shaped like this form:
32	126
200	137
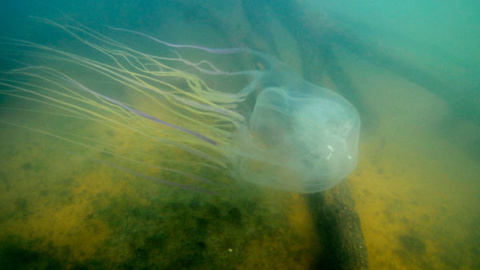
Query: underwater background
409	67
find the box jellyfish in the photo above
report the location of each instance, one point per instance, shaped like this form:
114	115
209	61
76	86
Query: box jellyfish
299	137
275	130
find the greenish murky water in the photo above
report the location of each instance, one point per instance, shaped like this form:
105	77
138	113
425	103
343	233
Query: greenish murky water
76	193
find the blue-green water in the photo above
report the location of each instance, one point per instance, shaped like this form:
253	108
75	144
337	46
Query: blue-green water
77	192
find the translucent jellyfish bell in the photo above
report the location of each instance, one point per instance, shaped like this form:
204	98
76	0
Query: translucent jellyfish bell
299	138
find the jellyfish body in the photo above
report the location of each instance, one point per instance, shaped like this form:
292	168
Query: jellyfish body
298	140
295	137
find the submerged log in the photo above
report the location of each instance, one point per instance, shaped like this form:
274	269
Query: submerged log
338	226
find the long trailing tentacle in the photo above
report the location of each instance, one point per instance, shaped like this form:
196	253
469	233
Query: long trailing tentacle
140	72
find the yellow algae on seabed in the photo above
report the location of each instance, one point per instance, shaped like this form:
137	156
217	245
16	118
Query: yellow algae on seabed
67	206
302	243
415	190
53	210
